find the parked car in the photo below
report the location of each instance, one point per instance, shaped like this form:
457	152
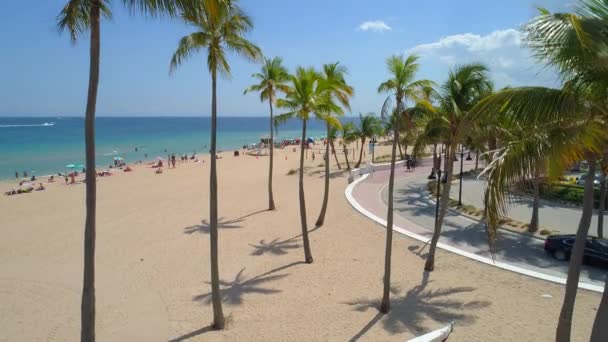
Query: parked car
582	178
560	247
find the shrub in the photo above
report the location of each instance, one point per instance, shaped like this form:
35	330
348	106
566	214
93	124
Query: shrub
292	172
545	232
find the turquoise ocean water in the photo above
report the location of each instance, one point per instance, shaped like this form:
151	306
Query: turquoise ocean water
45	145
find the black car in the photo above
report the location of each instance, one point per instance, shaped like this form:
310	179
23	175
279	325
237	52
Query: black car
560	247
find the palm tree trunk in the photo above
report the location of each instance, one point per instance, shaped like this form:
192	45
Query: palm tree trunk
564	325
333	151
307	253
346	155
533	227
388	249
443	207
87	305
400	152
270	197
321	218
602	204
600	326
476	161
360	153
216	298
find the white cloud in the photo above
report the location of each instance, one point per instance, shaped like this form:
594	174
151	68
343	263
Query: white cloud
509	60
374	25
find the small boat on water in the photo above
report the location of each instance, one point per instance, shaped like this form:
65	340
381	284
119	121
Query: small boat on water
48	124
438	335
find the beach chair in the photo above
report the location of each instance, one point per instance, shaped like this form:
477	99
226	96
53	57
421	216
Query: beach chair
438	335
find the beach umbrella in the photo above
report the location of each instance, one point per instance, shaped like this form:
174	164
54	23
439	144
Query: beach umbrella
118	158
159	158
70	166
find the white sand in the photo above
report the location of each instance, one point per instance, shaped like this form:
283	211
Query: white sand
153	266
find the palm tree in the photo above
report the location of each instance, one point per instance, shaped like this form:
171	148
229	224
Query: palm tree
574	44
307	94
331	138
333	77
272	78
221	26
77	17
401	86
465	86
369	126
348	136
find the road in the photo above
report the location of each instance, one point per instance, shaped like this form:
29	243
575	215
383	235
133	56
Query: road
552	215
416	213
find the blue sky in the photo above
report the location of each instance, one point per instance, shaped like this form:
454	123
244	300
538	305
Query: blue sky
42	73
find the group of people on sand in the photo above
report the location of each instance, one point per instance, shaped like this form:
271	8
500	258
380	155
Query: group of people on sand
172	161
29	188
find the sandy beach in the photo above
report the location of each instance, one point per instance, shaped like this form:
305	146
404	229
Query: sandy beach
152	267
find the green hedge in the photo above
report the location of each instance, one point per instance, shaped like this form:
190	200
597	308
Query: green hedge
569	193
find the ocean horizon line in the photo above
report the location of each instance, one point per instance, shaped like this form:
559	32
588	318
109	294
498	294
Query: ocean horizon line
134	116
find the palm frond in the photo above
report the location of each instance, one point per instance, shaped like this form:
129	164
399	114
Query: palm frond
75	17
187	46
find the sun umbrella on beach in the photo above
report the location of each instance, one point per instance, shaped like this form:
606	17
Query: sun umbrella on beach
118	158
70	166
159	158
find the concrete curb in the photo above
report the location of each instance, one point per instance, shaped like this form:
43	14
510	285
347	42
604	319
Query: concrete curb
348	192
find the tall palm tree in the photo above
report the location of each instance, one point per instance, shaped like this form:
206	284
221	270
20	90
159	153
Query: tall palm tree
401	87
333	77
77	17
574	44
272	78
308	93
369	125
465	86
221	26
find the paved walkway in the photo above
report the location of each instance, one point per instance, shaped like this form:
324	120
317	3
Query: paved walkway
552	215
416	213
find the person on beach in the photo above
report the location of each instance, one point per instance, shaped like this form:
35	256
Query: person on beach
173	160
51	179
24	174
40	187
16	174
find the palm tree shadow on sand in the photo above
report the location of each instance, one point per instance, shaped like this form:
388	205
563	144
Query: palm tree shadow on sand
274	247
409	312
233	291
204	227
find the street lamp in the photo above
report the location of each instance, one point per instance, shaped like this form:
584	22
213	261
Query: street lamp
460	190
432	175
438	171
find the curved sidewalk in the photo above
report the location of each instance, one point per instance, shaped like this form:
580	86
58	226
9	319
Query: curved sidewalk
414	217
